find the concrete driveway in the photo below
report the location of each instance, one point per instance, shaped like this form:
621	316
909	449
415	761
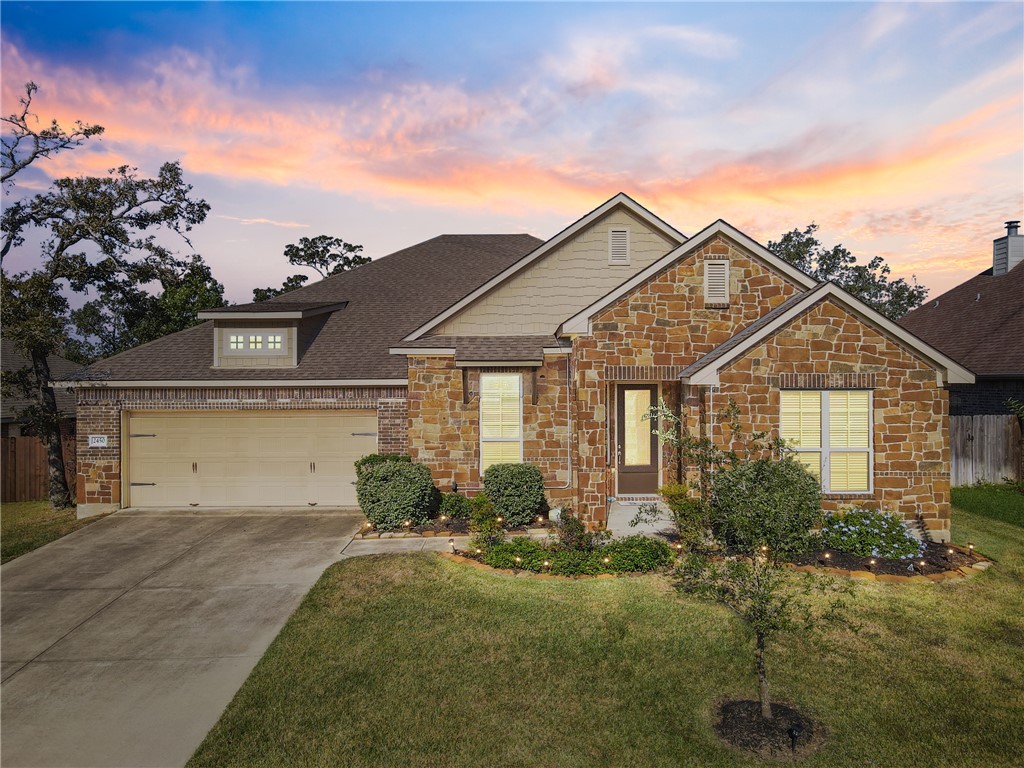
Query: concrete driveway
123	642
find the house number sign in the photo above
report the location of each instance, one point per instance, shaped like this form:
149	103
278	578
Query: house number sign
97	441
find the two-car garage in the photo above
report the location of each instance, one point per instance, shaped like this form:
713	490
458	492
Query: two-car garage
244	458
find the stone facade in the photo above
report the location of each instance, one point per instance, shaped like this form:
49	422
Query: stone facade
444	421
101	409
828	348
655	331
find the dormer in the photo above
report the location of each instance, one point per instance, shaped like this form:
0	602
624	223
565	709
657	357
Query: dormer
265	334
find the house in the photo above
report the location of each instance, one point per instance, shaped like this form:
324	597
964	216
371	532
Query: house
467	350
24	459
980	324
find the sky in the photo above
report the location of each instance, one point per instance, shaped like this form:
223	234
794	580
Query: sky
897	128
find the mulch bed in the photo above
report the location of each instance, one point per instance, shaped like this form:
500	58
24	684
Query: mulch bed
461	527
789	735
937	558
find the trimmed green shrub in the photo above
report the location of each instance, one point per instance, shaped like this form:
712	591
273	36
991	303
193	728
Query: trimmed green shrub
688	513
483	523
376	459
636	553
531	554
517	491
567	562
455	506
869	533
392	492
573	534
765	502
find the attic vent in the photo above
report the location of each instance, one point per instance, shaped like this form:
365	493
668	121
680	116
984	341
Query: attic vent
716	283
618	246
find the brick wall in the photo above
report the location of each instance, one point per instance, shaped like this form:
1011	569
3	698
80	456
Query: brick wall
652	334
986	397
828	348
444	421
100	411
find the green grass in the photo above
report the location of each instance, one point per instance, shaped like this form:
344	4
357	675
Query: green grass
417	661
28	525
996	502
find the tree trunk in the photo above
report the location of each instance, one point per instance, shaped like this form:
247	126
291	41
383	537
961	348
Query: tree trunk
762	681
49	426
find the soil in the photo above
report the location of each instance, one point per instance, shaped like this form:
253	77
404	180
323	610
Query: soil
937	558
789	735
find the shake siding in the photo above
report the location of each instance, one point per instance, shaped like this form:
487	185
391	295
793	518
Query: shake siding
565	281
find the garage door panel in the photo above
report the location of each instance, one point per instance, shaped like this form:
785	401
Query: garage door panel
248	458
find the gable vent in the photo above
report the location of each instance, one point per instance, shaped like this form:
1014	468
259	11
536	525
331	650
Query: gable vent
618	246
716	282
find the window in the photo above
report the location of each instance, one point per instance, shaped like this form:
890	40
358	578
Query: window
501	419
618	245
242	342
716	282
255	342
831	434
237	342
274	342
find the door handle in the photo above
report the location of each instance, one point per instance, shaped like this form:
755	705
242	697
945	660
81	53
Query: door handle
314	467
195	467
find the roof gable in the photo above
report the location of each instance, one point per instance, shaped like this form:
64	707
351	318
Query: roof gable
580	322
620	200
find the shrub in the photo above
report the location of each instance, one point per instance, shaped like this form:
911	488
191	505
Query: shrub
531	554
392	492
487	531
568	562
376	459
869	533
765	502
517	491
573	534
689	514
455	506
636	553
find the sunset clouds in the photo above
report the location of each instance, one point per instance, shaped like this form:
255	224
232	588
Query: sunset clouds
898	128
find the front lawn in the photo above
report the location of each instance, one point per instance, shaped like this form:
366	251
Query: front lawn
27	525
418	661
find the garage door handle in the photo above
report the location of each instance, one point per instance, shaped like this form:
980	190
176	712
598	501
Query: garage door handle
141	435
135	484
364	434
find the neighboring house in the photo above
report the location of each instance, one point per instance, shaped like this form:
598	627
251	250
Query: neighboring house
468	350
980	324
10	413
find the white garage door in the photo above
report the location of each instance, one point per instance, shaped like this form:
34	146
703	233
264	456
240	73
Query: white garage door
246	459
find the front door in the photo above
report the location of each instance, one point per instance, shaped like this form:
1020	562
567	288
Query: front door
636	445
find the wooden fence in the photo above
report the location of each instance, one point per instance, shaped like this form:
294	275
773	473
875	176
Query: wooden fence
984	449
23	468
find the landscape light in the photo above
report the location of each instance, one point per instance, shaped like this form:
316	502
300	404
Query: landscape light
547	563
499	518
479	551
519	559
921	563
540	518
764	547
949	551
873	561
443	518
607	560
970	547
828	555
679	547
407	523
451	543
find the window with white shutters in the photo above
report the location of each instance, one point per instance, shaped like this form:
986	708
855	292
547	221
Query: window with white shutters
501	419
830	432
716	282
618	245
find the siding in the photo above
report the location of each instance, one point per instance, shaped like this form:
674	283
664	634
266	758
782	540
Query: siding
537	300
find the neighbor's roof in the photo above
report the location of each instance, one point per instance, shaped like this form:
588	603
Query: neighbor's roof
384	300
13	360
979	323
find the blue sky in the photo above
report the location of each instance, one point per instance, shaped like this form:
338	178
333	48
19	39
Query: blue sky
899	128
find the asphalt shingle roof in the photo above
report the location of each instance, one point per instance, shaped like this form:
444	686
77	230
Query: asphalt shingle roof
13	360
387	299
980	323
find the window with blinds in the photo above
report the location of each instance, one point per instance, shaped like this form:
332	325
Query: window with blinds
618	245
501	419
716	282
830	432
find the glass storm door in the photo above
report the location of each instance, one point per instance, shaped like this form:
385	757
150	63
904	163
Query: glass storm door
636	445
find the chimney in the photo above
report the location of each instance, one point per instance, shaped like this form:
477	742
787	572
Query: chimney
1008	251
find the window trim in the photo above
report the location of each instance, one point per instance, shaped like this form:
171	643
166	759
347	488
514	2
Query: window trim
480	415
264	335
826	450
629	253
708	298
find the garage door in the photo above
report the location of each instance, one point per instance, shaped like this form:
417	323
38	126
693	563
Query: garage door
247	459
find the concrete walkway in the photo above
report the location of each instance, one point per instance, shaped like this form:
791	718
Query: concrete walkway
123	642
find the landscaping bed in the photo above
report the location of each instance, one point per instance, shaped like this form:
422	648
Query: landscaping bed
936	559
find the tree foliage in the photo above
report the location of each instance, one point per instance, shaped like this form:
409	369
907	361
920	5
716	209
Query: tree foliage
87	233
868	282
325	254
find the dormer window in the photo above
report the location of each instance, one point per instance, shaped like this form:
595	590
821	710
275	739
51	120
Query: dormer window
252	343
236	342
618	246
716	283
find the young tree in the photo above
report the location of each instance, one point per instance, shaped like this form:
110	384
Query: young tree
95	232
323	253
868	282
767	599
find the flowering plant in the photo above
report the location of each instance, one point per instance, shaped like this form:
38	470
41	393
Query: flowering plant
870	533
